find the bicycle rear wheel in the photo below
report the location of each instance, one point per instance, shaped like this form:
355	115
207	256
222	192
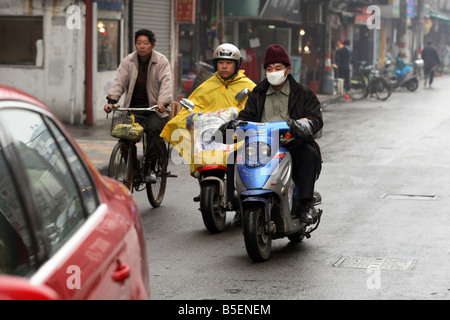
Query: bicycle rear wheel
157	189
120	164
382	88
358	88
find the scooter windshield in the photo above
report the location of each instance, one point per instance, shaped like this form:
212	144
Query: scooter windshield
262	152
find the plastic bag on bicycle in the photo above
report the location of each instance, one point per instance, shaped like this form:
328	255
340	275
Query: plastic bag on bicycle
129	131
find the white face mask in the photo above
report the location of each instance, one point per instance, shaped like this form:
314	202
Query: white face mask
276	78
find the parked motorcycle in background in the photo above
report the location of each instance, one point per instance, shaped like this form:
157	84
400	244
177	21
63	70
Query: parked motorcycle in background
403	75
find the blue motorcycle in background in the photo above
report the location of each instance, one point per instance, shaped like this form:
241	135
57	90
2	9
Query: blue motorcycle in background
402	74
265	188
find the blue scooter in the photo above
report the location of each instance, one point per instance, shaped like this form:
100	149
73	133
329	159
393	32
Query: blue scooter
403	75
265	188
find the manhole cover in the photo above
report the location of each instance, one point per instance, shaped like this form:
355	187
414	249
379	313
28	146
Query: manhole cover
373	262
400	196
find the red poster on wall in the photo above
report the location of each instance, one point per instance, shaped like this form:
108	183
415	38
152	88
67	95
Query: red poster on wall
185	11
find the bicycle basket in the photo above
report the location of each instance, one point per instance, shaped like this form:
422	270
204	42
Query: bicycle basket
123	126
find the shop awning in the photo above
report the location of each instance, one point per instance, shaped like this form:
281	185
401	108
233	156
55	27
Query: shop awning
281	10
440	17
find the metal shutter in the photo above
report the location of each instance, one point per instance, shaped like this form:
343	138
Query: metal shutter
154	15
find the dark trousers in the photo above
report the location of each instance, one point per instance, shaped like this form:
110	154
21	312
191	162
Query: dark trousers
306	166
345	74
230	179
429	74
153	129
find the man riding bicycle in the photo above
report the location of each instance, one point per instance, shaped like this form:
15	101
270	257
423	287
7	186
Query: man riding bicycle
145	76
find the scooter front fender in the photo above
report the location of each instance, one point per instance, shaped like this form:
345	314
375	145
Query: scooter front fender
222	188
213	178
264	201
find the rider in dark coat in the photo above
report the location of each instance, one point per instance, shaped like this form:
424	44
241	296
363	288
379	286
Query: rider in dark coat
304	116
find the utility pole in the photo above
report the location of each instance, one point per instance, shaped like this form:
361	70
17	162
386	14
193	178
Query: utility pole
420	25
327	80
401	29
328	12
89	67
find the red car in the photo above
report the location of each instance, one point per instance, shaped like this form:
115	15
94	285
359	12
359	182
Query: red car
66	232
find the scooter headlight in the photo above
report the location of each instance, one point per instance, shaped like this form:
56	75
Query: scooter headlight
257	154
208	135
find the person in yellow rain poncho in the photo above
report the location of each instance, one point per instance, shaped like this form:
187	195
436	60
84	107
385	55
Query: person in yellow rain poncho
216	93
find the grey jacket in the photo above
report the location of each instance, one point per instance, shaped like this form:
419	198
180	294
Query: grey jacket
159	81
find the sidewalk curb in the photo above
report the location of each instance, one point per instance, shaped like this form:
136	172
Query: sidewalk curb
329	101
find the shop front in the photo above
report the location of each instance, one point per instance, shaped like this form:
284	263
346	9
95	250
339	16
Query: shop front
251	26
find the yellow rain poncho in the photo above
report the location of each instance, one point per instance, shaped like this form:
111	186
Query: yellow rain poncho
212	95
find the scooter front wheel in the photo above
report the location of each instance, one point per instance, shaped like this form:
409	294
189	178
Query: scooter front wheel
214	216
258	241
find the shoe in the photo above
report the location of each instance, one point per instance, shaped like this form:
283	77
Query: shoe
151	177
236	220
307	214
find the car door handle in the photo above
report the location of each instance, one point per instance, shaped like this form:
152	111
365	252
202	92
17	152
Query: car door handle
122	272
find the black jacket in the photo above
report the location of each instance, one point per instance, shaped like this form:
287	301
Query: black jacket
430	57
344	57
303	103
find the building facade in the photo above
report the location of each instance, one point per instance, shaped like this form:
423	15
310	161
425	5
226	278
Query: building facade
66	52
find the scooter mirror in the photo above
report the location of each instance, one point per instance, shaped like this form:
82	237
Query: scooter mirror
186	103
241	95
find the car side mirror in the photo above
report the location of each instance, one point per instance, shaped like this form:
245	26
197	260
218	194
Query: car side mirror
241	95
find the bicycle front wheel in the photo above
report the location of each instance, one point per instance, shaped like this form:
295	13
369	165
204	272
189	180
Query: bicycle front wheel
382	88
358	88
157	189
120	164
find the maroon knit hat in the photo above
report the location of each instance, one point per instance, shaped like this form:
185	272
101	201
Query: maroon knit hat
276	54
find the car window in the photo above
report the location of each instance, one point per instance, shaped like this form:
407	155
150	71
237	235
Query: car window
54	189
84	182
16	247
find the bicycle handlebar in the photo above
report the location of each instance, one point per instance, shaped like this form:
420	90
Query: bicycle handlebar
117	107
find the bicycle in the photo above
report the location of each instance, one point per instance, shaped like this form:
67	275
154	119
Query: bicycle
125	165
367	80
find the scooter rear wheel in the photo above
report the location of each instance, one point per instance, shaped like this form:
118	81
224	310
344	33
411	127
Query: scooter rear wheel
412	85
258	242
214	216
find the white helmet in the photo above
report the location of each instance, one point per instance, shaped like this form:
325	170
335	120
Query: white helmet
227	51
